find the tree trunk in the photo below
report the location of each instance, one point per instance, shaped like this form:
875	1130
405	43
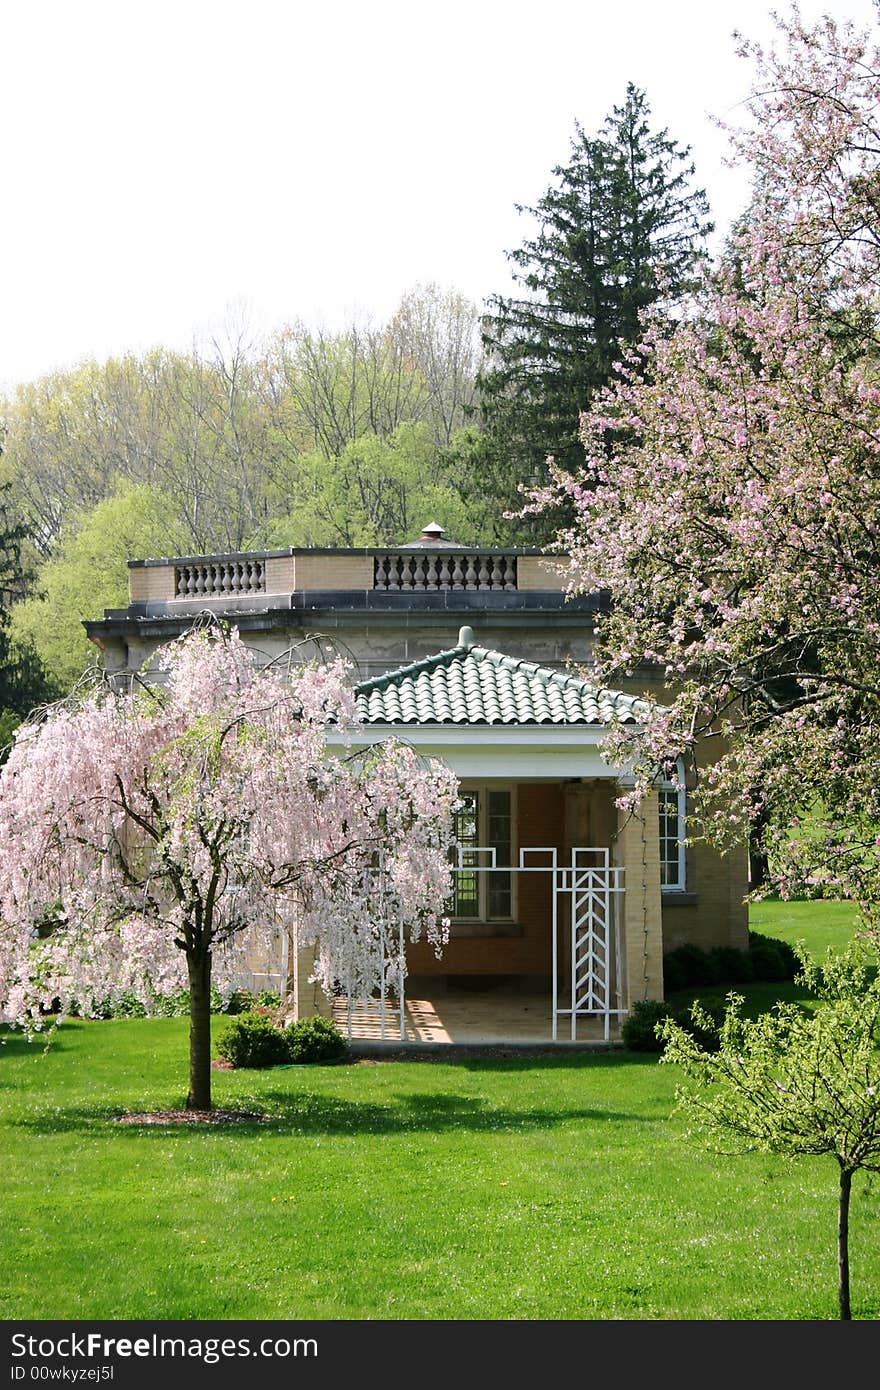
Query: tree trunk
291	984
843	1242
199	969
759	868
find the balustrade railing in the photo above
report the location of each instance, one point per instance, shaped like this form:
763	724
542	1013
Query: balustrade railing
218	578
409	571
420	570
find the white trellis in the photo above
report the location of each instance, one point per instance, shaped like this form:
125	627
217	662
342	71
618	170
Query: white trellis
592	888
585	897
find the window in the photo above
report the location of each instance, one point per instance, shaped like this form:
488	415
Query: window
485	821
672	834
466	894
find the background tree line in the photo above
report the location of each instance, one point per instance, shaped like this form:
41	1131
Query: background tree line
355	437
306	438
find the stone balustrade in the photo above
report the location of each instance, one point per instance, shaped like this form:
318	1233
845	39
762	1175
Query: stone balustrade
415	570
202	578
219	579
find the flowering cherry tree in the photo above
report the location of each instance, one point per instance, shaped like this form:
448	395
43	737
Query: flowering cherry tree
729	502
147	835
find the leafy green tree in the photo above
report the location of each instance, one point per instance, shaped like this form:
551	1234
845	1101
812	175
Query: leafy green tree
438	332
621	228
88	573
193	425
230	429
795	1081
327	389
375	491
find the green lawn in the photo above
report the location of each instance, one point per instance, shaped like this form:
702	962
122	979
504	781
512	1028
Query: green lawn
817	924
559	1186
514	1188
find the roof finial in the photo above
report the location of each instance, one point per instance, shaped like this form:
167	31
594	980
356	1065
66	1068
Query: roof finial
466	638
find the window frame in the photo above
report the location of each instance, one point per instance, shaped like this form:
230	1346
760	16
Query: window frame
677	788
482	790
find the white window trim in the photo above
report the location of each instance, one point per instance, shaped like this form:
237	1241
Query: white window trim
483	857
667	785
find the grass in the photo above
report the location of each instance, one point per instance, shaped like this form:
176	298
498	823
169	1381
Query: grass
559	1186
818	924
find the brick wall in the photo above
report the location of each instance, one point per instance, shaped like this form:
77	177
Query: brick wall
539	822
535	573
150	582
280	572
285	574
311	998
637	849
713	912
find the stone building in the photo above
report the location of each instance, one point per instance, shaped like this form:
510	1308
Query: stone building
564	905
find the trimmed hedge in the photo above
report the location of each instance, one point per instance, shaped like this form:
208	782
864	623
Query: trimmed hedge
315	1039
639	1031
254	1040
767	959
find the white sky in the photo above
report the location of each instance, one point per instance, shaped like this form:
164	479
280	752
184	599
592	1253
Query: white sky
163	163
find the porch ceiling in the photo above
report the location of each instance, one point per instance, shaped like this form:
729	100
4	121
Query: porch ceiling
509	752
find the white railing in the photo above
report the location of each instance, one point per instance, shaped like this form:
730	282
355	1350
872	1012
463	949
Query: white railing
423	570
214	579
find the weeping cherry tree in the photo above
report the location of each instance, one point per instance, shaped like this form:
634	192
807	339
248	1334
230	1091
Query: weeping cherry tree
148	837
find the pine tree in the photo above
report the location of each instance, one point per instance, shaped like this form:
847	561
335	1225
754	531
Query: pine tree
621	227
23	682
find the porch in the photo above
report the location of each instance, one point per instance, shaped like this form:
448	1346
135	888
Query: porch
472	1018
557	889
576	937
555	917
549	973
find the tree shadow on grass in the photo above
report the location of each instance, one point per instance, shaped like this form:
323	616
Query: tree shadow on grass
14	1043
503	1059
283	1115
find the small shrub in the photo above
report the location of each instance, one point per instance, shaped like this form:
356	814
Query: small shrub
315	1039
243	1001
674	974
121	1005
767	959
177	1005
698	966
788	959
768	963
639	1031
639	1027
734	967
253	1040
125	1004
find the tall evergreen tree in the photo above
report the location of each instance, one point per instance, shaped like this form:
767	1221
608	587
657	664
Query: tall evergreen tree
620	228
23	681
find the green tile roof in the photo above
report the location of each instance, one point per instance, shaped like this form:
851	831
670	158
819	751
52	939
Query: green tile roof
473	685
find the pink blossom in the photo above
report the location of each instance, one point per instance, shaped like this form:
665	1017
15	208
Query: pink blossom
748	575
222	808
